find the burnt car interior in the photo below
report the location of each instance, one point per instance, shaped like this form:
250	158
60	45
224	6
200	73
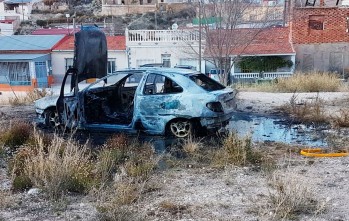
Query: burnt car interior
158	84
111	104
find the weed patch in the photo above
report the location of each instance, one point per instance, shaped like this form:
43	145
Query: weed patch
299	82
289	196
341	120
306	111
62	166
17	134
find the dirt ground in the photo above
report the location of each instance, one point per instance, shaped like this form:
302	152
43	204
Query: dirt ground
204	193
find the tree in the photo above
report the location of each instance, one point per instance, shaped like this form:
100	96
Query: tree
227	28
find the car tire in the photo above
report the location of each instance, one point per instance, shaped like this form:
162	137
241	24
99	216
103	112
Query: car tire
51	118
181	128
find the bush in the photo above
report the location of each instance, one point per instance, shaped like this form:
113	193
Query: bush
236	151
62	166
41	23
17	134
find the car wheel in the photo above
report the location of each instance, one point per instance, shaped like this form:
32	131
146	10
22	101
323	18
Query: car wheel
51	118
181	128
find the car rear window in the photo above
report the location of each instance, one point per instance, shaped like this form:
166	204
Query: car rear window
206	83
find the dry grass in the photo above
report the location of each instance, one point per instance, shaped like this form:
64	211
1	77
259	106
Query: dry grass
310	82
237	151
60	167
341	119
192	146
29	98
299	82
306	111
7	199
290	195
172	208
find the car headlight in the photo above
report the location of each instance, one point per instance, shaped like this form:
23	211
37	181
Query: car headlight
215	106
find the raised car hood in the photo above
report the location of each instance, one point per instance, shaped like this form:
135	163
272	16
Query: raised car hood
90	56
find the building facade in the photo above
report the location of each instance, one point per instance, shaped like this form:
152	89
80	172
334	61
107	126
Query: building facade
63	54
25	61
320	35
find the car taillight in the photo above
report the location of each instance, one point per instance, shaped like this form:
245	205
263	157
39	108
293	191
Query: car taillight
215	106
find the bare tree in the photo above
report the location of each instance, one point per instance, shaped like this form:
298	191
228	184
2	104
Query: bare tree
227	28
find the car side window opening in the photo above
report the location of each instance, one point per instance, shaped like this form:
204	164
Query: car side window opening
112	103
206	83
159	84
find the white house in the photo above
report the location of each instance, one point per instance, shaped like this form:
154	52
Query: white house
18	8
170	47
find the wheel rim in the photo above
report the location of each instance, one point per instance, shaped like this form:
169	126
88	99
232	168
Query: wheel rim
181	128
52	119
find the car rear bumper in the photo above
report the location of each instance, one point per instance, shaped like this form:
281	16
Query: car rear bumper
216	122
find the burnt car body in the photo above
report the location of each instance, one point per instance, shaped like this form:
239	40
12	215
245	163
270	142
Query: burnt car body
153	100
156	101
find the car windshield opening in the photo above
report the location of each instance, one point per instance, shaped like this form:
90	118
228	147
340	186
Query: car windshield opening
206	83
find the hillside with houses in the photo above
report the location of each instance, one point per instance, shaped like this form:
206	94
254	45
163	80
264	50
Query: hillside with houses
306	35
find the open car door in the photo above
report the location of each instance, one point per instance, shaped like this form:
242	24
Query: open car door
90	61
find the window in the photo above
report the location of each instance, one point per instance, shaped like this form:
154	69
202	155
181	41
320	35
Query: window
166	60
69	62
206	83
316	22
111	65
158	84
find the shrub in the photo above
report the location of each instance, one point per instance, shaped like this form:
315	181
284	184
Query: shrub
17	134
62	166
20	181
41	23
236	151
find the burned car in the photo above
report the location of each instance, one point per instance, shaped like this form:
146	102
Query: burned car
157	101
154	100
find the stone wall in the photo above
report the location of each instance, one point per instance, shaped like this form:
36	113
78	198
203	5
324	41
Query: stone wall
126	9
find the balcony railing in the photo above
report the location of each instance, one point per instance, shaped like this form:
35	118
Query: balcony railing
267	75
161	35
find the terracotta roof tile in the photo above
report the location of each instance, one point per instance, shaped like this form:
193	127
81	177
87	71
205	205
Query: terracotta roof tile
253	42
113	42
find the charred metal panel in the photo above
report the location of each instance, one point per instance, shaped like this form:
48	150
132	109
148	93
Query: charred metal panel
90	59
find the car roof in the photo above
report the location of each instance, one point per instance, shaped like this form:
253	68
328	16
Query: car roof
160	70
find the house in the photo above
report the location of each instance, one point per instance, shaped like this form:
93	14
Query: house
320	35
170	47
63	54
19	8
8	25
272	42
25	61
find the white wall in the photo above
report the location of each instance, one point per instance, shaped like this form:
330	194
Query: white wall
58	62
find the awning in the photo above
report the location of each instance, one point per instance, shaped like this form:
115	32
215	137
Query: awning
20	57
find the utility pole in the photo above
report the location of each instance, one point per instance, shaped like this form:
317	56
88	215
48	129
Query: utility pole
200	35
22	11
